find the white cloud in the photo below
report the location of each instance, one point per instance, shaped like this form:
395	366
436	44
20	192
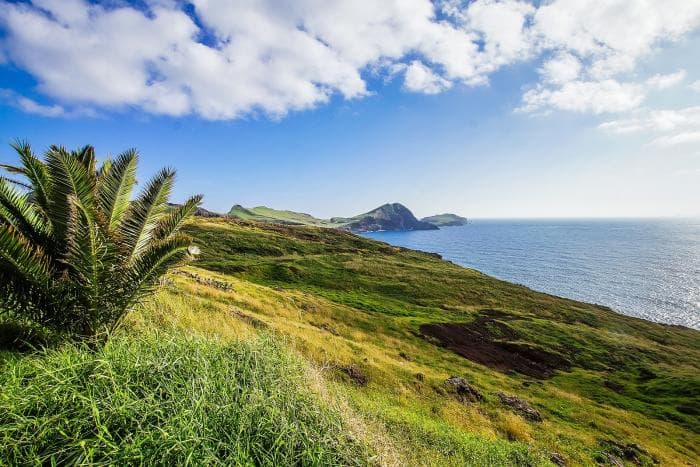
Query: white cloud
608	38
656	120
274	57
585	96
672	127
666	81
420	78
561	69
695	86
678	139
31	106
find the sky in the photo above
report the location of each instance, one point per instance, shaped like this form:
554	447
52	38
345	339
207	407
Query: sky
485	108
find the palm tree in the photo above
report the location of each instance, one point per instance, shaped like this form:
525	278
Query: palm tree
76	252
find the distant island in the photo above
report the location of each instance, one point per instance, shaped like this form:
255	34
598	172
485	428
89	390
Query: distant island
390	216
446	220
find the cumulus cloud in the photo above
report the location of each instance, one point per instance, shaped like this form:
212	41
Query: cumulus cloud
671	127
585	96
561	69
223	59
666	81
420	78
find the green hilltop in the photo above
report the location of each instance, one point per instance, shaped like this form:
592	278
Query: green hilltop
390	216
277	216
446	220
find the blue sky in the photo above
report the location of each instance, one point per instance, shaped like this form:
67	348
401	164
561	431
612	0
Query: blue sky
530	121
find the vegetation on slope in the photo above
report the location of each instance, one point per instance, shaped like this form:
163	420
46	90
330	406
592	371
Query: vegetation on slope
610	386
276	216
446	220
365	316
393	216
162	398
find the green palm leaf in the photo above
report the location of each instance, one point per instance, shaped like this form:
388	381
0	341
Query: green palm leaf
117	180
144	215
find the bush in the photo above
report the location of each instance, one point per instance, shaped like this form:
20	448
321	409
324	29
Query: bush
160	399
76	253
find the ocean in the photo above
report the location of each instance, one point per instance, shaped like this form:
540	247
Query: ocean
644	268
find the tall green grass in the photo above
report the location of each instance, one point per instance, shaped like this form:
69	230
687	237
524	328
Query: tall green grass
162	398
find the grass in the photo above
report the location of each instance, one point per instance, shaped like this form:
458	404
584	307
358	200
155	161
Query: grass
349	300
164	398
326	300
265	214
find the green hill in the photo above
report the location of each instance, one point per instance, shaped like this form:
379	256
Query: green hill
393	326
393	216
276	216
446	220
285	344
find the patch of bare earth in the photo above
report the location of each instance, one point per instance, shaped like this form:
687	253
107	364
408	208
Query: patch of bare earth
489	341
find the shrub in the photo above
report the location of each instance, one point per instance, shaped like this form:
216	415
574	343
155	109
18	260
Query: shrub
76	252
166	399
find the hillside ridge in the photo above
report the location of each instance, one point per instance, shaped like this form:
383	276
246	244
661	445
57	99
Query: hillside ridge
389	216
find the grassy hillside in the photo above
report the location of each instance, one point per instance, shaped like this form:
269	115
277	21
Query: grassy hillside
446	220
273	324
276	216
165	398
386	217
606	386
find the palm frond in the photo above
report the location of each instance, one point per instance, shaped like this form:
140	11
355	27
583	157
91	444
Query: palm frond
12	181
145	213
19	255
35	171
172	221
116	182
155	261
23	215
69	177
86	156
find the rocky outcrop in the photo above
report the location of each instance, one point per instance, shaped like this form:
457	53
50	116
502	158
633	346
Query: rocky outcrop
464	391
521	406
393	216
446	220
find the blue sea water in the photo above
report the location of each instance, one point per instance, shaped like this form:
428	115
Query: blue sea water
644	268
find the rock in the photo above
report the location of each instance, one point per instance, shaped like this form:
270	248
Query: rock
356	374
393	216
465	392
557	459
632	452
327	327
255	322
520	406
645	374
217	284
613	385
405	356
